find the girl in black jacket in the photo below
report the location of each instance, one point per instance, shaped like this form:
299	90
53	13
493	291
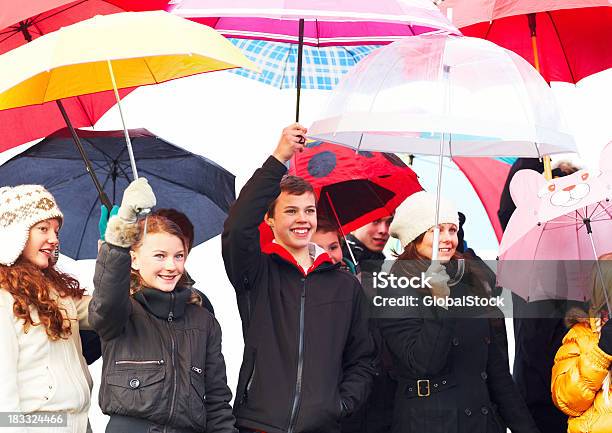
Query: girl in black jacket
163	369
451	360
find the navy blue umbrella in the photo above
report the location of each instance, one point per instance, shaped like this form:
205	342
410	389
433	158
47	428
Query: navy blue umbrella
182	180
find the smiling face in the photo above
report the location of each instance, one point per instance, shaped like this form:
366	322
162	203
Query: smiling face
294	221
42	242
446	247
160	260
375	234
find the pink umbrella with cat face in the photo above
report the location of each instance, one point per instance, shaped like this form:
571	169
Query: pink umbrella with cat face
558	230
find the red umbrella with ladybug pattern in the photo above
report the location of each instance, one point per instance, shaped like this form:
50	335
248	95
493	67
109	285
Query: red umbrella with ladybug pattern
354	188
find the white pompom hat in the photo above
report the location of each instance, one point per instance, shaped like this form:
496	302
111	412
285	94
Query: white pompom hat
417	214
21	207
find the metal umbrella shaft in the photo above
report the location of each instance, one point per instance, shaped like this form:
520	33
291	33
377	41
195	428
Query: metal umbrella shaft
587	223
298	82
445	105
125	131
333	208
103	197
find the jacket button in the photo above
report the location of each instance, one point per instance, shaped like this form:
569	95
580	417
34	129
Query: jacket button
134	383
484	410
487	339
484	375
455	341
444	382
468	412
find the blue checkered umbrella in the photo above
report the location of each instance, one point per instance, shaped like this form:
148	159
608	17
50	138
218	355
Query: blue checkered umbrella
322	67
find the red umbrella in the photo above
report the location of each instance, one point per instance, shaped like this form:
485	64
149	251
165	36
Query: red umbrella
564	40
355	188
352	188
22	22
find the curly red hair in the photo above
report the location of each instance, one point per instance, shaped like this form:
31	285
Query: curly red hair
32	286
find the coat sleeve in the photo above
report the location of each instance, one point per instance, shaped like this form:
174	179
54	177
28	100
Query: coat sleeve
219	417
421	344
82	308
579	371
9	393
240	240
359	358
110	306
502	389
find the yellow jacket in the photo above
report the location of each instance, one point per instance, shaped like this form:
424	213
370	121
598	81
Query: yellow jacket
578	377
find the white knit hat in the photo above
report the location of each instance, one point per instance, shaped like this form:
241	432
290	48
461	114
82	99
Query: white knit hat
21	207
417	214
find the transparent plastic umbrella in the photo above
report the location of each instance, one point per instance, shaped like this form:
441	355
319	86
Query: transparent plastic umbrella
446	96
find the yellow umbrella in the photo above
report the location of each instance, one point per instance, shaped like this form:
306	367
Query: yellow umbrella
112	52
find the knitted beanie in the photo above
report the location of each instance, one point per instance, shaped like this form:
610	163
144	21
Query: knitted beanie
22	207
417	214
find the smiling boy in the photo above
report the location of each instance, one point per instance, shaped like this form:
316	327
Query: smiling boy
308	354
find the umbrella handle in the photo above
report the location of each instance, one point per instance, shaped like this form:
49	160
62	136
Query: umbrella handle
125	131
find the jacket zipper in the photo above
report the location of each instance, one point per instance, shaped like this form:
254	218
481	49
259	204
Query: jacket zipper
300	365
174	373
159	362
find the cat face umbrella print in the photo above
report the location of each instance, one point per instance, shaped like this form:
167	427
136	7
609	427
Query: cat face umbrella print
559	229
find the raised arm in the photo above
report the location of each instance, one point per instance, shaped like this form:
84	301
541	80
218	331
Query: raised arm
110	307
240	241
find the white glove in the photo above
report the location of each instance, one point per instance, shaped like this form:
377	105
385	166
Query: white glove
438	280
136	197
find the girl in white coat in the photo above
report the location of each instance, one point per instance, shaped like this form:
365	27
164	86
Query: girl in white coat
41	310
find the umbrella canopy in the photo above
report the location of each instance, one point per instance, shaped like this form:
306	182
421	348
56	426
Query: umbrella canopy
354	189
22	22
320	33
24	124
566	40
564	219
417	12
322	68
143	47
468	12
405	96
190	183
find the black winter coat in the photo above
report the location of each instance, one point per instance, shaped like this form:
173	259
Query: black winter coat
459	366
376	414
162	358
308	354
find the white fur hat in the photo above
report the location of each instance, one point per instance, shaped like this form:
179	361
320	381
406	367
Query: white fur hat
417	214
21	207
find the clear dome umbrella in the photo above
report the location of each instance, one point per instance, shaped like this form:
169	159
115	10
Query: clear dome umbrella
447	96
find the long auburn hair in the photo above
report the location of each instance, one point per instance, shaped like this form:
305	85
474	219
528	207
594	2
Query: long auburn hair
160	224
31	286
474	276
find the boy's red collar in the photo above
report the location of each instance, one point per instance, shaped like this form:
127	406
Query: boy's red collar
279	250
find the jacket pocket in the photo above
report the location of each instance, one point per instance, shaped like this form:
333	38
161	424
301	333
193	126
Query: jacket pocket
136	391
428	420
197	396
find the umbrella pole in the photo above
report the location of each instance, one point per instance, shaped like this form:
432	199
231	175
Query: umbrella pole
436	233
125	131
298	83
340	228
531	18
587	223
103	197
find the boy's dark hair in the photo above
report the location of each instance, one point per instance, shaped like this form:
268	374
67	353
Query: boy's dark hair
181	220
325	225
293	185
